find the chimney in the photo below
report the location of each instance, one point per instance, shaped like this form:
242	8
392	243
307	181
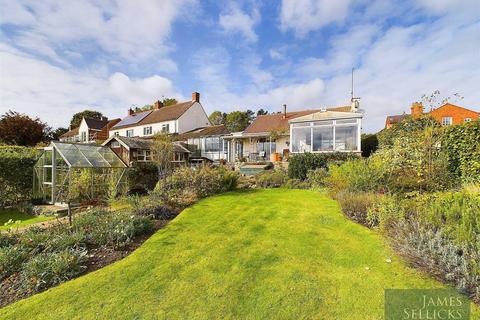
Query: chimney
130	111
195	97
284	111
157	105
417	109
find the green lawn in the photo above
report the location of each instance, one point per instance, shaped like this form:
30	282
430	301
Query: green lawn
25	219
271	254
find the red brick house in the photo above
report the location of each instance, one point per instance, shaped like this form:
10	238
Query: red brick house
448	114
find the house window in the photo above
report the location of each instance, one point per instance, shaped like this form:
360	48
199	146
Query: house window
467	119
346	137
116	133
165	128
446	121
84	136
144	155
115	144
265	146
147	131
179	156
319	136
301	139
130	133
212	144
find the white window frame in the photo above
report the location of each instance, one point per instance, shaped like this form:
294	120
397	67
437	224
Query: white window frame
115	144
129	133
447	121
144	155
166	128
147	131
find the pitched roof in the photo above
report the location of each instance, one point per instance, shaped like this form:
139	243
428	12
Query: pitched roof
96	124
132	120
70	133
276	121
328	115
142	143
203	132
450	105
172	112
396	118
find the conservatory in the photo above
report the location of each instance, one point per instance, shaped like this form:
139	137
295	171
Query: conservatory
69	171
326	131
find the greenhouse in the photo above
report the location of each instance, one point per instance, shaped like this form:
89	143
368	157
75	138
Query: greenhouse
70	172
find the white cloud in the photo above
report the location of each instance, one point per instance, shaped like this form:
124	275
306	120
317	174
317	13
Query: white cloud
304	16
54	94
235	21
130	29
276	54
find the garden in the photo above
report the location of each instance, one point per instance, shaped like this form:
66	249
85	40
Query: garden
280	236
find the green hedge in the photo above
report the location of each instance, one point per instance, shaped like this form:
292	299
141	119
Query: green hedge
16	174
462	145
300	164
143	176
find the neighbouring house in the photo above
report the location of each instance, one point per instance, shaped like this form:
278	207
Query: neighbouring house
447	114
206	144
132	150
174	119
269	137
90	130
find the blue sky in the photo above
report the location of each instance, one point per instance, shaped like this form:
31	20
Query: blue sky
59	57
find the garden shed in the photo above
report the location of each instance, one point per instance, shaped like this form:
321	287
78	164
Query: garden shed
80	171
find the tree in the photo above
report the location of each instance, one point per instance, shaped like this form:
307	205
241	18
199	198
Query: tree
237	120
55	134
169	101
77	117
435	99
144	108
19	129
217	117
162	153
262	112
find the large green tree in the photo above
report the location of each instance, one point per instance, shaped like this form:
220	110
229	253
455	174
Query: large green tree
19	129
55	134
218	117
166	102
77	117
237	121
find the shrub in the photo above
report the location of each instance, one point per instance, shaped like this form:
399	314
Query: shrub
49	269
297	184
300	164
16	171
356	206
359	175
186	185
317	177
115	229
271	178
157	212
432	251
369	144
11	259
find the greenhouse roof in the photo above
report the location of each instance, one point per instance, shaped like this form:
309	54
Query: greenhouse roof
78	155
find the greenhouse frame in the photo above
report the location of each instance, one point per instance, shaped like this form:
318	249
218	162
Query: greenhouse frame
96	170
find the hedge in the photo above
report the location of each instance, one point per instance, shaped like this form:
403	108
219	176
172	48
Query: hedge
461	143
16	174
142	177
300	164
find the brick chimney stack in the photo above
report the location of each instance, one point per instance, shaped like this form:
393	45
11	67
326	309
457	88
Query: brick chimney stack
416	109
195	97
157	105
284	111
130	111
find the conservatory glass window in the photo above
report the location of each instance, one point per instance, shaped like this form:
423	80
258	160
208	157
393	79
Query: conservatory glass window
322	138
346	138
301	139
